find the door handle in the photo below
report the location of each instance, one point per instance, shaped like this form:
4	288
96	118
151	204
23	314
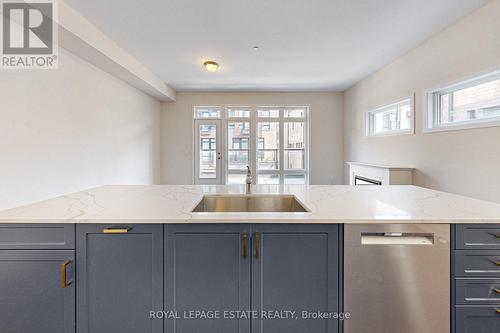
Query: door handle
396	238
64	271
245	245
117	230
257	245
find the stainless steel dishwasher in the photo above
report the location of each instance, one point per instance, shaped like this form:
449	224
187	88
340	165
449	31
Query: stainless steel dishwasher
397	278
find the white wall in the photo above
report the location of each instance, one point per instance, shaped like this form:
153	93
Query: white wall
465	162
326	162
73	128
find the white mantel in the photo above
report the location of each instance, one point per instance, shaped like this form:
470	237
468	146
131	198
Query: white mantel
387	175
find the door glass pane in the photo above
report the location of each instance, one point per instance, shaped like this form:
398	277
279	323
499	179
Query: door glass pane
294	145
236	178
269	179
295	179
208	151
238	145
268	145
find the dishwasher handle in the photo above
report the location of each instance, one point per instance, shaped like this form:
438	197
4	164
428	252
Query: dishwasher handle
396	238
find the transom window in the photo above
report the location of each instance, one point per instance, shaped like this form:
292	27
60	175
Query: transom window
272	140
470	103
392	119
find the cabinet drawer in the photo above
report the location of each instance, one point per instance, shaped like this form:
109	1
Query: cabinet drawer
477	319
480	236
478	263
37	236
477	291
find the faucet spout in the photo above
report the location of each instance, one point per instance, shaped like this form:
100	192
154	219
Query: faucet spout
248	181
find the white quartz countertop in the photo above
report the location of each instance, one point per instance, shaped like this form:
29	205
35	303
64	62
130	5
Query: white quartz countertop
327	204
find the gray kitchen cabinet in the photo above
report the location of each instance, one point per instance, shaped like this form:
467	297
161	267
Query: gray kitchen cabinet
37	294
252	267
119	278
295	268
207	268
478	319
476	278
477	236
30	236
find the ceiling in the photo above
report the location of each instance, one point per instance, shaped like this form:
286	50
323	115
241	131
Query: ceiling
304	45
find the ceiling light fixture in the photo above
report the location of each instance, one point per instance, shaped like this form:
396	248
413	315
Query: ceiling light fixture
211	66
255	48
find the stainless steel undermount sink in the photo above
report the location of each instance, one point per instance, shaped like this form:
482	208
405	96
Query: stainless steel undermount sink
250	203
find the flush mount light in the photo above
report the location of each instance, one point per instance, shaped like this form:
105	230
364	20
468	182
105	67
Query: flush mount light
211	66
256	48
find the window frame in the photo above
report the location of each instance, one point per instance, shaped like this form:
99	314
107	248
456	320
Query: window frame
432	112
370	118
253	142
281	120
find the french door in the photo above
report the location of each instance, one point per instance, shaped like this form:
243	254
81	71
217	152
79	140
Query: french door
208	152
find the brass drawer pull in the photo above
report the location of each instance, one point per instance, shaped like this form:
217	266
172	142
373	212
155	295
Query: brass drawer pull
496	262
496	290
257	245
64	269
497	310
116	230
245	245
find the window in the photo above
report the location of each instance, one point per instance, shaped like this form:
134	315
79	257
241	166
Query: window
268	143
238	112
204	112
238	148
281	151
470	103
272	140
396	118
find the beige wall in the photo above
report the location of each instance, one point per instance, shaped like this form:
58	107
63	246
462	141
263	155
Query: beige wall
465	162
325	131
73	128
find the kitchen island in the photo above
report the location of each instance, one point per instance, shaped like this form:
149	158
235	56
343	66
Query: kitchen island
146	259
325	204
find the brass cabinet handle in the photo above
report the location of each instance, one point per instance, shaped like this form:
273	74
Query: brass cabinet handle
257	245
64	269
497	310
245	245
496	290
116	230
496	262
495	235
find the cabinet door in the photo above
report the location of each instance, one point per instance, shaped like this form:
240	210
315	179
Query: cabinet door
119	278
32	296
206	269
295	268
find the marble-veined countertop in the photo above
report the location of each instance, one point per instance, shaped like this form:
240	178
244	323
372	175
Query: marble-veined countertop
327	204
